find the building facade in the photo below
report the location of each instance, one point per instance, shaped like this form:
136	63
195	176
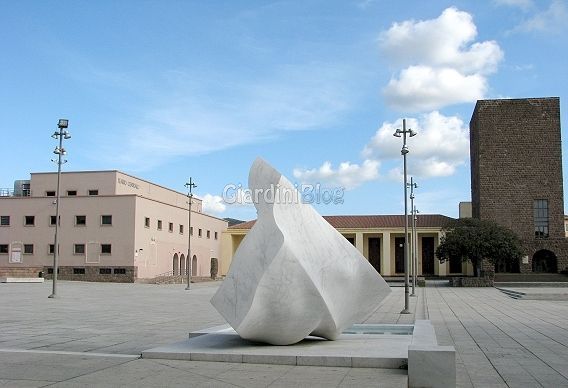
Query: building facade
112	227
380	240
516	177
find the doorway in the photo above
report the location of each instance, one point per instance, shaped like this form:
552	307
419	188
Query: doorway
427	255
375	253
399	254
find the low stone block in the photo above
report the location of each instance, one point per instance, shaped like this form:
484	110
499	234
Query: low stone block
431	366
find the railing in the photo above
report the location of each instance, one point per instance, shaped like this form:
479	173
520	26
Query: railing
11	193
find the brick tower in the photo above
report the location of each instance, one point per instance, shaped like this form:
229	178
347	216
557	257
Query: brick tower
516	176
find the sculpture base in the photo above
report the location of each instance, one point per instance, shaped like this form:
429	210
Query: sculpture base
361	346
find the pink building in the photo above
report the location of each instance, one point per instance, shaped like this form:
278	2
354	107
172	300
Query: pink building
113	227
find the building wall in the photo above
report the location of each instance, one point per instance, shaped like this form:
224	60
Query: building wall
516	158
232	238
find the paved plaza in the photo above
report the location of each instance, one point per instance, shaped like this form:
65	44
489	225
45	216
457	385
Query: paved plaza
94	333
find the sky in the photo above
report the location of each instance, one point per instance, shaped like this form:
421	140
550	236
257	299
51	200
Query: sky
165	90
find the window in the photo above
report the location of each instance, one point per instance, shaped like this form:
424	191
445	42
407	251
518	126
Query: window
147	222
199	234
191	231
106	249
52	220
215	235
540	211
93	192
80	220
181	229
71	193
208	234
29	220
159	224
105	271
78	249
3	248
4	220
106	219
171	227
50	271
120	271
78	271
51	249
50	194
28	249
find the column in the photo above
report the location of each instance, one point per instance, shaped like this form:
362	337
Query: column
386	254
359	242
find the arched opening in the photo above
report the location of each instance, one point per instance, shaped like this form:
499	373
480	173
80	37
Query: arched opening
544	261
182	264
194	266
175	260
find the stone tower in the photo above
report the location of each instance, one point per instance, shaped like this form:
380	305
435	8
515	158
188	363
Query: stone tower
516	176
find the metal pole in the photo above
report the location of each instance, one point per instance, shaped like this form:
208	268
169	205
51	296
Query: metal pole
415	218
190	185
404	151
413	269
56	239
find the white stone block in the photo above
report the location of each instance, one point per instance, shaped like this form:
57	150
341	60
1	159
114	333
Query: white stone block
431	366
294	275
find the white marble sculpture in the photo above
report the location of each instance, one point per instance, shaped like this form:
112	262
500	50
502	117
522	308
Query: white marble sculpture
294	275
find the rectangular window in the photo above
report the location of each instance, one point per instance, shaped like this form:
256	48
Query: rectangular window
50	194
80	220
540	212
199	233
106	219
181	229
191	231
171	227
29	220
93	192
3	248
50	271
28	249
120	271
51	249
105	271
106	249
71	193
216	236
78	249
78	271
208	234
147	222
159	224
52	220
4	220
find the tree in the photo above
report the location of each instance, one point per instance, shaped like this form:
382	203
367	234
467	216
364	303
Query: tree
474	240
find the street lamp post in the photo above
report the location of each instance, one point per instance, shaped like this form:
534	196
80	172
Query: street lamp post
61	134
402	133
190	186
413	185
415	242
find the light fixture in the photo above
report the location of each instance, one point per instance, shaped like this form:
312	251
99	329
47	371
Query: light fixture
63	123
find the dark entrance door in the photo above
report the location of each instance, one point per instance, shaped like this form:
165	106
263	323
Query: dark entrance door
427	255
544	261
399	254
375	253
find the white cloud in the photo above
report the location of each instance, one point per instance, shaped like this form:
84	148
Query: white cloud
422	88
522	4
348	175
442	144
551	20
439	62
213	204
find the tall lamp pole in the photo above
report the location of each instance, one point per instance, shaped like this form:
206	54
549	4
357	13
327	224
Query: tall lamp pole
402	133
413	185
61	134
190	186
415	242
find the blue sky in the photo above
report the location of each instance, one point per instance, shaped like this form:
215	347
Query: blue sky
165	90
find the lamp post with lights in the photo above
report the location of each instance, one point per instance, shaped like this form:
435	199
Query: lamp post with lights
190	186
404	151
61	134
